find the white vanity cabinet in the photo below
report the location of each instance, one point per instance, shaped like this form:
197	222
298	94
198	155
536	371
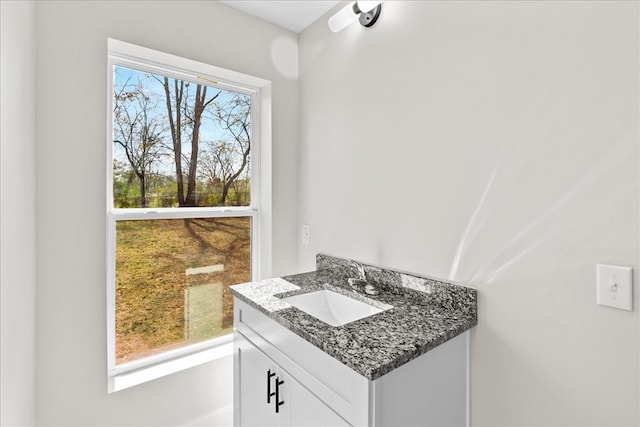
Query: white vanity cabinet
280	379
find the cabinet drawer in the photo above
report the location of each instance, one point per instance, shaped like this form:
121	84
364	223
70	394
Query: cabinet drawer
341	388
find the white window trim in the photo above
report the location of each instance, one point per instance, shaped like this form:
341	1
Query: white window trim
121	53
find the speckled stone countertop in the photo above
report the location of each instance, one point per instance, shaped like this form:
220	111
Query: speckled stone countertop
426	313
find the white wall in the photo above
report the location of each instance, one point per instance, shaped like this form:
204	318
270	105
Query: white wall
71	43
496	144
17	215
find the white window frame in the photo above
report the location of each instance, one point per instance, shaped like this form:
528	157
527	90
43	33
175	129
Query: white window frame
136	57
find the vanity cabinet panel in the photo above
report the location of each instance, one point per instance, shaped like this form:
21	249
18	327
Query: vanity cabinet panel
270	397
430	390
264	390
309	411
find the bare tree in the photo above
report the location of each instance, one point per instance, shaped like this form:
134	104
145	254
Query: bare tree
186	119
138	131
226	160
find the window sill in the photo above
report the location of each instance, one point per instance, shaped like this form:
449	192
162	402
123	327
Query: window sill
162	368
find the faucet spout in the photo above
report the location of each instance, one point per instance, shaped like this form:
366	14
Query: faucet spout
360	283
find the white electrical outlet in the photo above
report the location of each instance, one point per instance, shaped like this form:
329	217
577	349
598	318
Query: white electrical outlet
615	286
306	233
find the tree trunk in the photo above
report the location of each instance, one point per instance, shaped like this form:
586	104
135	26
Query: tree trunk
176	133
227	183
225	191
143	190
201	92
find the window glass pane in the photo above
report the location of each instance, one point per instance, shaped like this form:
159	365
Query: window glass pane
178	143
172	279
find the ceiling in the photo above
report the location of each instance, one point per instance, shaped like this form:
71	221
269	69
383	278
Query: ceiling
294	15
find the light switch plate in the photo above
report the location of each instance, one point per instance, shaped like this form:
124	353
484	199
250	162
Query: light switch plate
615	286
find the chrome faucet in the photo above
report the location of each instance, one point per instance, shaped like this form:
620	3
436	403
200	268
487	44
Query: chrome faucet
360	283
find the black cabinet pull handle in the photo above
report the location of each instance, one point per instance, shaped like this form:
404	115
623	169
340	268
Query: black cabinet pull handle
269	393
279	382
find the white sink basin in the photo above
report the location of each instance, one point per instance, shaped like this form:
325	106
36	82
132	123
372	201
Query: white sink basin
334	308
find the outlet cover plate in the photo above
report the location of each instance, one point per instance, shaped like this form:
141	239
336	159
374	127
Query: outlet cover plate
306	233
615	286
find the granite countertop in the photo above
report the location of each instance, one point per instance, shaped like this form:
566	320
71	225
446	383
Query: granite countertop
426	313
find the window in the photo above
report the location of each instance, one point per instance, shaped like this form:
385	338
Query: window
187	201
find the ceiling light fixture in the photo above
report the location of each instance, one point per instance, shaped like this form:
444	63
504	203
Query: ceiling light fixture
366	11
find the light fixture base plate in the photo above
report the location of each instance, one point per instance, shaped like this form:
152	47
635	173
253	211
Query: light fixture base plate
370	18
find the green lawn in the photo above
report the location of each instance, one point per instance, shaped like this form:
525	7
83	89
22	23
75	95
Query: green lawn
172	278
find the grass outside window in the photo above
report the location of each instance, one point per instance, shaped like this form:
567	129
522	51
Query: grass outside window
172	279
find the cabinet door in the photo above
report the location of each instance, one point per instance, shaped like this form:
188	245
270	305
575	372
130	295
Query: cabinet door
263	389
308	410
